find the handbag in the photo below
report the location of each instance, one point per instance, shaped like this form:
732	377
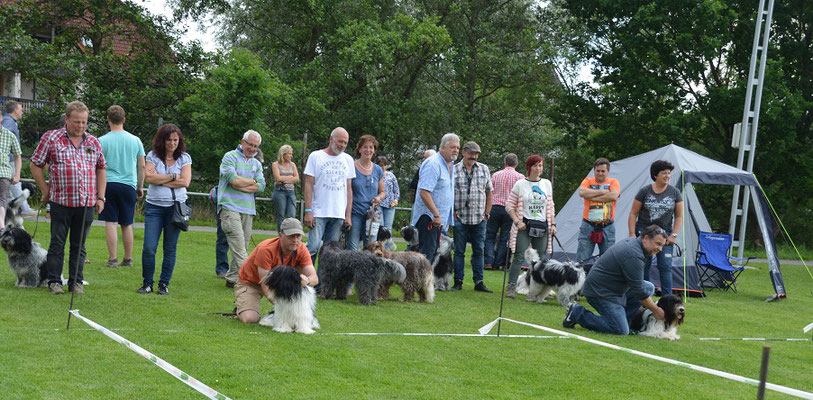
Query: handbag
180	213
535	227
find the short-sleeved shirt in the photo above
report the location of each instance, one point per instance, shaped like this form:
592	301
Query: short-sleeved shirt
620	270
534	197
657	208
121	151
365	187
470	192
503	181
437	178
330	175
597	211
160	195
267	255
8	145
72	169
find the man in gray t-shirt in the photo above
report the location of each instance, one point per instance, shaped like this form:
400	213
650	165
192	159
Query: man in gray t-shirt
616	287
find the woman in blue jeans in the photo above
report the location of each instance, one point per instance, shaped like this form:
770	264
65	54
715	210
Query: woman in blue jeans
168	170
393	193
368	190
659	203
285	177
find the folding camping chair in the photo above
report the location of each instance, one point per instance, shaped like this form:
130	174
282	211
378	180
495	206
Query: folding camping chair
713	256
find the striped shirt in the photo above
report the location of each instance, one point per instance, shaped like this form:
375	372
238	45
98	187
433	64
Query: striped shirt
72	169
470	192
503	181
8	145
515	202
234	165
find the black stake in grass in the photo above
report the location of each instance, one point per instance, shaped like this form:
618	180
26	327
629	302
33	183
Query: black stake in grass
502	297
78	259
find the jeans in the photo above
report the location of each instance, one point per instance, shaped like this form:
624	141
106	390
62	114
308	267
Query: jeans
156	220
66	220
664	264
586	246
284	204
540	244
324	229
221	250
476	235
237	227
427	238
498	221
358	232
613	317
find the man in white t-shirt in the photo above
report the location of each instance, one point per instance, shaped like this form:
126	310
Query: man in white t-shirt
328	192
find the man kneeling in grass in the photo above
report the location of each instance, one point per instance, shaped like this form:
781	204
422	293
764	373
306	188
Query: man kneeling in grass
287	249
615	286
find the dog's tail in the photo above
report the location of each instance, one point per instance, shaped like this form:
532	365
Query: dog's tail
19	200
531	256
524	283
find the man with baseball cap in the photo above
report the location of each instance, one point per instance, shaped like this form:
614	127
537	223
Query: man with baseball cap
287	249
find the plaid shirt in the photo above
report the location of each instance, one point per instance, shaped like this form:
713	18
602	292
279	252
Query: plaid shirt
72	169
504	181
8	145
470	192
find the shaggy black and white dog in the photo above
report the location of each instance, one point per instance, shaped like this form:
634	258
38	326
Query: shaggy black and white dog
294	305
14	214
545	276
366	271
442	265
645	324
25	257
410	234
419	277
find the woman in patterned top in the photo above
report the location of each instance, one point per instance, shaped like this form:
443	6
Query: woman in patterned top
393	194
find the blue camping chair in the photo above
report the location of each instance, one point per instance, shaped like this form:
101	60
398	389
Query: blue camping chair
713	256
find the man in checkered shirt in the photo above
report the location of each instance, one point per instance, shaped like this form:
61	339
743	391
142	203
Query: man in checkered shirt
77	186
472	205
8	176
499	220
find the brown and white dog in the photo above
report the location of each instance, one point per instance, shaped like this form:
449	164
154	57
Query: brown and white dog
419	277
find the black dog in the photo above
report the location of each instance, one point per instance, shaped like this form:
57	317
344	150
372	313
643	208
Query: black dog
25	257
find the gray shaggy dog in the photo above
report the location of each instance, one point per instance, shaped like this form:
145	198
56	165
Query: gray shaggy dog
419	277
341	267
25	257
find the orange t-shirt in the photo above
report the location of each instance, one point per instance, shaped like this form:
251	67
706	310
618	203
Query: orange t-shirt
596	211
267	255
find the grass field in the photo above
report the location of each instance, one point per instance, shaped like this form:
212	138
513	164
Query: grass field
41	360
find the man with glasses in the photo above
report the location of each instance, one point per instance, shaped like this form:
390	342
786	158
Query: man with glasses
616	287
241	177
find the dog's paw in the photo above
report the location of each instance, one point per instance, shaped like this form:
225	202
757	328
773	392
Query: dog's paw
307	331
283	329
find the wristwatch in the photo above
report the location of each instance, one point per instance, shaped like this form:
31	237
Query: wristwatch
102	199
673	234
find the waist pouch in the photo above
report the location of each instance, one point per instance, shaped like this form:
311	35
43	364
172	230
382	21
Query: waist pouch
536	228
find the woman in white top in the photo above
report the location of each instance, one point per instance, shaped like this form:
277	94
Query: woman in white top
168	170
285	177
530	205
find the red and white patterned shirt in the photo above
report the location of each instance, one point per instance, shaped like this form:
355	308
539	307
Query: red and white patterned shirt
72	170
503	181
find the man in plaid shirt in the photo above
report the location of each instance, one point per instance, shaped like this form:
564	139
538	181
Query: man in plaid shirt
499	220
8	176
77	185
472	204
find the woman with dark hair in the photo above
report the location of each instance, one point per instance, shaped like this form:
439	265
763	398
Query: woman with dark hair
368	190
168	170
530	205
657	204
392	192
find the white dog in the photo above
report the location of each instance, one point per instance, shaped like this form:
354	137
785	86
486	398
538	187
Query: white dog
294	305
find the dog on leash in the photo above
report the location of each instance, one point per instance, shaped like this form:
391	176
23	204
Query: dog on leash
674	312
14	213
419	277
363	269
410	234
294	305
545	276
442	265
25	257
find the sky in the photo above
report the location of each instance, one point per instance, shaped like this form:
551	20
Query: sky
194	32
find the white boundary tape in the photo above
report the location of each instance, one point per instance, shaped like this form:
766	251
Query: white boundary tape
445	334
172	370
738	378
754	339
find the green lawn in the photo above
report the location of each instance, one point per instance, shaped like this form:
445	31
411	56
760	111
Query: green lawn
42	360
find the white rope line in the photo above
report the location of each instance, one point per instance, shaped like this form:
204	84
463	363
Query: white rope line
754	339
172	370
444	334
738	378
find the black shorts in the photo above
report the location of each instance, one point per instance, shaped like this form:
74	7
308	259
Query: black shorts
120	205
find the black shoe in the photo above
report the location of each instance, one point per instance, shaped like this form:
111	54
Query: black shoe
229	284
481	287
568	322
145	289
162	289
457	286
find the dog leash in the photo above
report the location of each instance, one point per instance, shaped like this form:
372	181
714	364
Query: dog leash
562	247
36	221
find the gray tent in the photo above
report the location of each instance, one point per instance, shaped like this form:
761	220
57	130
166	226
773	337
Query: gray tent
690	169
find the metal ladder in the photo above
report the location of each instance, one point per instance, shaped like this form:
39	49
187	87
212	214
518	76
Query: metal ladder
750	120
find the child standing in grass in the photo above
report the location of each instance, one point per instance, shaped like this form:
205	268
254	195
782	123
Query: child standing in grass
8	176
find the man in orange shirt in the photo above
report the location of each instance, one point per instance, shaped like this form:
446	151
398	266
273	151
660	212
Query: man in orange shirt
600	194
287	249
